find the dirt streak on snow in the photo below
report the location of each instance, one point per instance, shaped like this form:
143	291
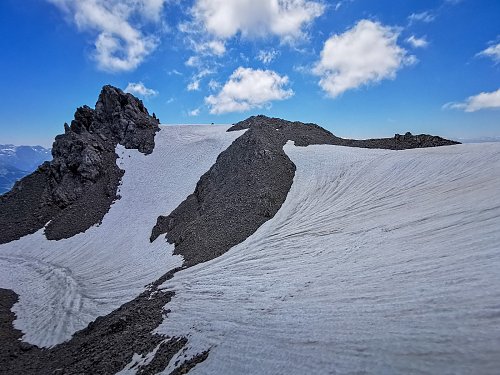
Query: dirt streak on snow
63	285
379	261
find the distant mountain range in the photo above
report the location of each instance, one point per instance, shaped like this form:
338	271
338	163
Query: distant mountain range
18	161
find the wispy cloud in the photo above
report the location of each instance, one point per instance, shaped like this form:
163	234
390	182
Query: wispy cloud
417	42
194	85
195	112
426	17
484	100
492	52
267	56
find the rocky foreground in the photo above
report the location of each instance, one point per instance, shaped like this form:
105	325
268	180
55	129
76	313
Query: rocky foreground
246	187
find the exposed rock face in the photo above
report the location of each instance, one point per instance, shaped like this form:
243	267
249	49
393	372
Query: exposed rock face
83	176
9	336
398	142
244	188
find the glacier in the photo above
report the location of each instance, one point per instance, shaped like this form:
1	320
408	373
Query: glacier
378	261
64	285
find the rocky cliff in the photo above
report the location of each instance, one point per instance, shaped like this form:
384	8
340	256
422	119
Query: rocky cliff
75	189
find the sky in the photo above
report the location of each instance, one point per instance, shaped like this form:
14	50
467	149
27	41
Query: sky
360	68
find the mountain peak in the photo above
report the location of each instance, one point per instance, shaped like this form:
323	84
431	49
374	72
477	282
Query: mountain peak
83	175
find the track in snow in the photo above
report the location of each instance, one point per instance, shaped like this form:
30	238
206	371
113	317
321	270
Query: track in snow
378	261
63	285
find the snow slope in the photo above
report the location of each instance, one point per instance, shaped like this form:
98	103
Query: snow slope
64	285
378	261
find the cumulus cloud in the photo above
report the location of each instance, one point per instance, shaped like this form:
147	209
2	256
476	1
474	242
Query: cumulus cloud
140	90
367	53
484	100
249	88
267	56
417	42
493	52
120	45
286	19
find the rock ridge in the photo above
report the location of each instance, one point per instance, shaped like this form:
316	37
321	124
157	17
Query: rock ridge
289	129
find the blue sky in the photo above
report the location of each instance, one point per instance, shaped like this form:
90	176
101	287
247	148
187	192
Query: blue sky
360	68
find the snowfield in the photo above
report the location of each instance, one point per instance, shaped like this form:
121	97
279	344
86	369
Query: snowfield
378	261
64	285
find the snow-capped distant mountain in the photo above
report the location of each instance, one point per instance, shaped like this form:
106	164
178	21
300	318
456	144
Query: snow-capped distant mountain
18	161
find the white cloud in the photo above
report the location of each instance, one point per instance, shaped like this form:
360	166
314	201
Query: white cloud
421	17
194	112
193	61
267	56
286	19
217	47
151	9
213	85
249	88
367	53
207	48
492	51
417	42
484	100
139	89
120	45
194	85
174	72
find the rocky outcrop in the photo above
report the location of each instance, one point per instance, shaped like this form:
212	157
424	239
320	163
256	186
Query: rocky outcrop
75	190
244	188
290	130
248	184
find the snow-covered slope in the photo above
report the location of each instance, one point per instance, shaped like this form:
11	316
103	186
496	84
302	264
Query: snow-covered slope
378	261
63	285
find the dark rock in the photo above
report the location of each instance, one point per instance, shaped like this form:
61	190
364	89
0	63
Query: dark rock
244	188
83	175
163	355
24	346
185	367
318	134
